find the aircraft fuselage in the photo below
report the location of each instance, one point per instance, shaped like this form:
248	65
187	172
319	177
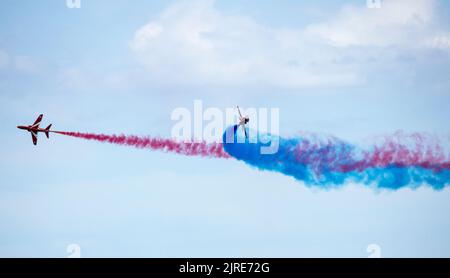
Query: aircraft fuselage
31	129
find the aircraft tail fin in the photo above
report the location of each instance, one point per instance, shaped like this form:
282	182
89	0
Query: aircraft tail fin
47	131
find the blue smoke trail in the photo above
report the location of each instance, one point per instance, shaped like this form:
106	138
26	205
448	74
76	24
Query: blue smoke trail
334	163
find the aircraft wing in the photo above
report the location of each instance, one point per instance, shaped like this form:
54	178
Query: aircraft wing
38	121
239	110
34	137
245	131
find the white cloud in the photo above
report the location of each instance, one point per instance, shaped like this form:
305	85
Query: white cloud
440	41
396	23
21	64
25	64
194	43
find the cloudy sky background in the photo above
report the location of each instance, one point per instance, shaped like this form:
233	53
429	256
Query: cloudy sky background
332	67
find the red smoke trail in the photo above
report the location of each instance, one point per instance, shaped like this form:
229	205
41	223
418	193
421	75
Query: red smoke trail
416	149
400	150
190	149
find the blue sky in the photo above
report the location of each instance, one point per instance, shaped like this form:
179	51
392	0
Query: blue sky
333	67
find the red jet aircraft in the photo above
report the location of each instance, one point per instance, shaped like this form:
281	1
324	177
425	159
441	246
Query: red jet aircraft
34	129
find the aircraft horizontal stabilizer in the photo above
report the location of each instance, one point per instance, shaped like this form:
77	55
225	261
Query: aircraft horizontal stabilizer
47	131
